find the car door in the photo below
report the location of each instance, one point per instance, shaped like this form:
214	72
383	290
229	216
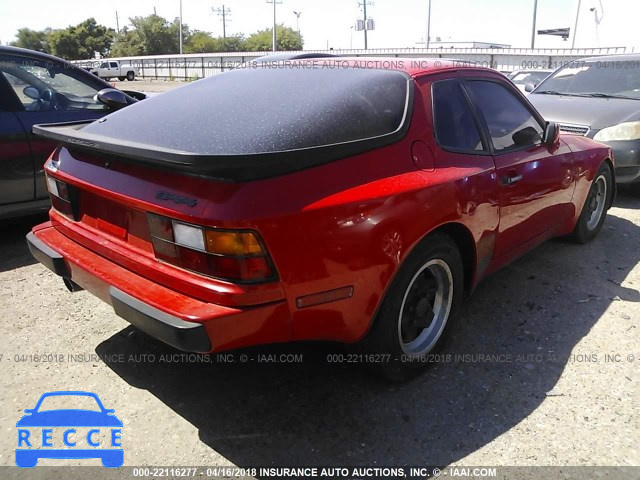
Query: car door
461	150
16	166
47	92
536	181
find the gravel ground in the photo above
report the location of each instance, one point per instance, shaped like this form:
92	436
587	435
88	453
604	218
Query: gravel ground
565	391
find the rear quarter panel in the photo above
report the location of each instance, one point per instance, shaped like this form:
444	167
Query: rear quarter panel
353	222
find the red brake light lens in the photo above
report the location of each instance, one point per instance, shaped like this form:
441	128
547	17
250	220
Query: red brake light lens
237	256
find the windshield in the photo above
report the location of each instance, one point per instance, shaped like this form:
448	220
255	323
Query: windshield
602	77
529	77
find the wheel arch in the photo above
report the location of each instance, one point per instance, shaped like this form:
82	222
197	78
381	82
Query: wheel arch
609	162
466	245
463	239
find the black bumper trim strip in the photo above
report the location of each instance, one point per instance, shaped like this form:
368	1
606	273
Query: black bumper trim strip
187	336
47	256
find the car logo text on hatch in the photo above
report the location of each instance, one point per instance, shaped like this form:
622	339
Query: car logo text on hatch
191	202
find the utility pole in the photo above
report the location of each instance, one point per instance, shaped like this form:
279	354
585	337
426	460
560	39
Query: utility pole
533	28
429	24
180	27
367	23
222	12
275	45
575	26
297	14
117	23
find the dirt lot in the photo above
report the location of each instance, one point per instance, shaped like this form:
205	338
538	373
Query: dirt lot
561	387
153	86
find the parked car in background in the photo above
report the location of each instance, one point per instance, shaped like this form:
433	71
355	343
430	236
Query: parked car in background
109	69
523	77
598	98
377	198
39	88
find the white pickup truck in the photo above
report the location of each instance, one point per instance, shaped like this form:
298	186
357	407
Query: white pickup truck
112	68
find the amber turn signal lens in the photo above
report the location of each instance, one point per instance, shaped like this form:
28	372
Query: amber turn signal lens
232	243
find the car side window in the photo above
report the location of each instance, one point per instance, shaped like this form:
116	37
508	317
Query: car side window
104	65
511	125
113	64
45	86
454	125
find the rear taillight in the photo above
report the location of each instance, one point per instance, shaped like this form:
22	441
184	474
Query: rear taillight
237	256
62	196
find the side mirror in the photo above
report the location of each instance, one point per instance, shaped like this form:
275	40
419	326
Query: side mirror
551	134
112	98
529	87
526	136
31	92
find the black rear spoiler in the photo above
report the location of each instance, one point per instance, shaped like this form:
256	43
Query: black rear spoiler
235	168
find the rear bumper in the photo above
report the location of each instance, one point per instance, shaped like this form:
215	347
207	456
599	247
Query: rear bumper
178	320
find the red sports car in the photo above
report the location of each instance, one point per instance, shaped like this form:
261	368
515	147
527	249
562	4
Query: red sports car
327	199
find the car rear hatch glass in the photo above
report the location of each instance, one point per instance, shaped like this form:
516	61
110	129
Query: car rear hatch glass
256	122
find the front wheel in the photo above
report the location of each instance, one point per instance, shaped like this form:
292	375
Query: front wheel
419	308
594	210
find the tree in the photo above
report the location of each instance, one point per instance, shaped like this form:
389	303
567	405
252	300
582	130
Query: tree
236	43
32	39
77	42
151	35
286	39
201	42
93	38
81	41
64	44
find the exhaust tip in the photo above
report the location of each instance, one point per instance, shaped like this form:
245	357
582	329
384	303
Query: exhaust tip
71	285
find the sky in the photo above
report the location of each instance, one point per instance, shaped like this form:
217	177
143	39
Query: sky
327	23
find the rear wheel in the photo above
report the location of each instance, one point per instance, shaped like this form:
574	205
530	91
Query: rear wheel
418	309
130	76
594	210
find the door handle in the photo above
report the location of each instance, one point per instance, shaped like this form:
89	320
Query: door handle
511	179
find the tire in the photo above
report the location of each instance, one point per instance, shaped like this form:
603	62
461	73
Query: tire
121	78
418	310
594	210
131	76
